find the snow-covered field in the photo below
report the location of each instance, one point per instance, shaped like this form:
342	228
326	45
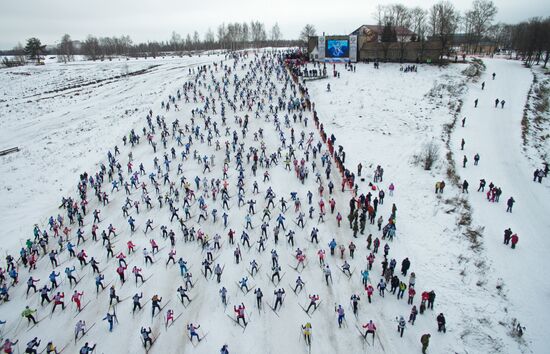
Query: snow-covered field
65	117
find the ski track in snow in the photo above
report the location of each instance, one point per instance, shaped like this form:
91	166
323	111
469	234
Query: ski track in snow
380	117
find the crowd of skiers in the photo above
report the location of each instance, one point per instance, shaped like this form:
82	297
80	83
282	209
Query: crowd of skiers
266	93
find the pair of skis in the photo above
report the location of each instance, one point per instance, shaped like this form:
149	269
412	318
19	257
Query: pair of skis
296	268
349	274
200	339
239	323
161	308
76	339
278	280
252	287
257	271
314	308
153	340
273	309
166	325
364	337
295	290
82	309
144	280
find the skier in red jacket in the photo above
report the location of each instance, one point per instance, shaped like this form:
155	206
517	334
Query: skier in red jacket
371	328
239	311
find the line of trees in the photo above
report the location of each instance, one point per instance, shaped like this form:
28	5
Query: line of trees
230	36
469	31
440	22
530	39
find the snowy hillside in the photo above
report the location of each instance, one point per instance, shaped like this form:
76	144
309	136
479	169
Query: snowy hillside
66	118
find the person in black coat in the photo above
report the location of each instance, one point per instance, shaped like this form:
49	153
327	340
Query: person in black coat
431	299
441	323
405	265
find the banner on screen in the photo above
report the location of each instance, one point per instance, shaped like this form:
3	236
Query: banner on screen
337	48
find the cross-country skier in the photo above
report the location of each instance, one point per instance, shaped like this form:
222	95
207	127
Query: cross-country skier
27	313
306	330
146	336
328	274
110	318
80	327
371	328
155	301
183	294
223	294
401	325
58	300
193	332
279	295
86	349
240	311
136	300
341	315
355	302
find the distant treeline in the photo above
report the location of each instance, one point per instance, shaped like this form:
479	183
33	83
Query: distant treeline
232	36
442	22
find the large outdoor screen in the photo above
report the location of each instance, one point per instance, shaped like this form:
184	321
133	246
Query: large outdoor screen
337	48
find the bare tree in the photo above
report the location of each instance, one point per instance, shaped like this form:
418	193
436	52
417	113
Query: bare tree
19	52
307	31
245	32
258	33
429	155
65	49
196	40
381	15
231	36
90	48
402	20
467	24
209	38
501	34
124	44
546	40
238	35
107	46
387	37
19	57
444	20
175	41
477	22
275	33
221	33
188	42
419	26
531	40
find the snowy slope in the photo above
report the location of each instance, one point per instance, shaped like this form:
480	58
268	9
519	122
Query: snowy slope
495	133
63	133
380	117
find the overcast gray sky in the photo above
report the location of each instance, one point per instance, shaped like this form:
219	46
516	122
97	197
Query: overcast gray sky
155	20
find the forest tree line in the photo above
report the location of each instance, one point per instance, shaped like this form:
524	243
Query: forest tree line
231	36
471	29
529	39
